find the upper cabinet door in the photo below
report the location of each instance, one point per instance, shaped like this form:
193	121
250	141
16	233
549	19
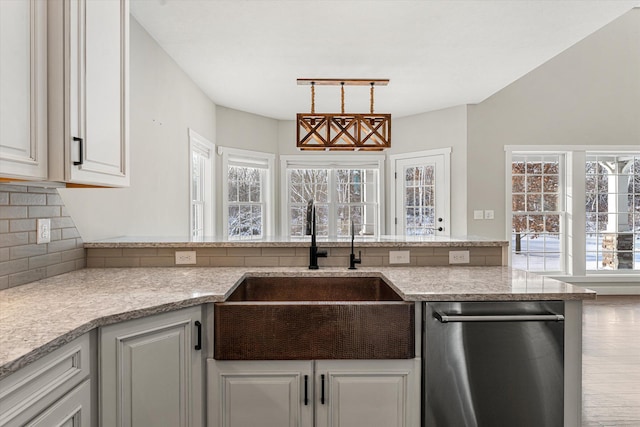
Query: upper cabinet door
89	92
23	85
99	36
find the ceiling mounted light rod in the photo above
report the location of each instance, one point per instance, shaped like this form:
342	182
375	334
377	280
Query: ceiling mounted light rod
371	97
313	97
347	82
341	131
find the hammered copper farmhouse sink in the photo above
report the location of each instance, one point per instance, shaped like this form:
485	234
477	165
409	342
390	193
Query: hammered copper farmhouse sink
305	318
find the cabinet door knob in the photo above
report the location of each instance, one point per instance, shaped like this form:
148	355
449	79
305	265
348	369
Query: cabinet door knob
81	149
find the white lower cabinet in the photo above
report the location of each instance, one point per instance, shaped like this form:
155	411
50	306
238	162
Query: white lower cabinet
151	371
73	410
336	393
52	391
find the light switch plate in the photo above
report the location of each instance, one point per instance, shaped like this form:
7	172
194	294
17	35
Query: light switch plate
43	234
488	214
399	257
458	257
478	214
185	257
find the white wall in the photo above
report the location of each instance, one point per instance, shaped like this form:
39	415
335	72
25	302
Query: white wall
427	131
164	103
246	131
438	129
587	95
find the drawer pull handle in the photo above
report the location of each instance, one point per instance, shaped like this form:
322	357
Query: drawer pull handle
81	149
198	345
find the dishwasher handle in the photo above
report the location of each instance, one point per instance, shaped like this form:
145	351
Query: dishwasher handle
447	318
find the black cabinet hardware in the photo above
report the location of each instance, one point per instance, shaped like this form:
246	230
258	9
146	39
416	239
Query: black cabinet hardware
322	389
198	345
306	390
80	145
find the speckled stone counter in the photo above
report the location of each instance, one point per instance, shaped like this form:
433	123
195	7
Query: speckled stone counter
279	242
37	318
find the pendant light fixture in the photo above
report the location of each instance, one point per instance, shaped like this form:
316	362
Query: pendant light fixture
343	131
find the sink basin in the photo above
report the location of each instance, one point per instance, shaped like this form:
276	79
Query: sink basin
313	289
306	318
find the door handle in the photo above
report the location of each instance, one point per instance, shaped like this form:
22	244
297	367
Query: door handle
322	389
306	390
446	318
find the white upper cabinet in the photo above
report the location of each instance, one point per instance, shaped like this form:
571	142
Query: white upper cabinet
23	89
89	92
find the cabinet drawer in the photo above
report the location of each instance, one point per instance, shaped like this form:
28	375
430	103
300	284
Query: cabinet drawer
27	392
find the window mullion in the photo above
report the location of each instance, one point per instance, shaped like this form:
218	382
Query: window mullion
576	213
332	229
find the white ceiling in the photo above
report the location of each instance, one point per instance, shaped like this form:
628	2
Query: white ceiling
247	54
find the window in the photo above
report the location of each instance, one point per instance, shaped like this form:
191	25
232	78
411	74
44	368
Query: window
201	187
612	212
247	194
343	191
574	211
537	212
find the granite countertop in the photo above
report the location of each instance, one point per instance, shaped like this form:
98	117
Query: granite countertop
39	317
361	241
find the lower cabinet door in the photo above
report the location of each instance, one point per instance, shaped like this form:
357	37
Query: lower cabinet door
151	374
72	410
259	393
372	393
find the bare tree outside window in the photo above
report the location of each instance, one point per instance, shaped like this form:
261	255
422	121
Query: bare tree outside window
340	196
612	212
537	209
245	202
420	199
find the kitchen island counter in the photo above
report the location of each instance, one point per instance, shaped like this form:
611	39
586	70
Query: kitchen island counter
39	317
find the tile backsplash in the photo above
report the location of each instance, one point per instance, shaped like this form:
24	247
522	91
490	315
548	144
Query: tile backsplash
22	260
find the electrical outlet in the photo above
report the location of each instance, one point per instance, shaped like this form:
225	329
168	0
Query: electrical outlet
185	257
43	234
488	214
399	257
458	257
478	215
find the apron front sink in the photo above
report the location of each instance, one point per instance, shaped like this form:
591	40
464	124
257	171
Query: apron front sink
305	318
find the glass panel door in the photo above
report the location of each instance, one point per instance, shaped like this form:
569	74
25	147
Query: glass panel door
420	197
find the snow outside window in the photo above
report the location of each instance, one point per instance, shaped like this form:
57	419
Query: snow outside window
343	191
537	208
247	206
612	212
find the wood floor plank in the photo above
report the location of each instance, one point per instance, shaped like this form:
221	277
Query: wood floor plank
611	362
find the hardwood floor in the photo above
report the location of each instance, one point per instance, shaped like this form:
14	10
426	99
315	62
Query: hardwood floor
611	362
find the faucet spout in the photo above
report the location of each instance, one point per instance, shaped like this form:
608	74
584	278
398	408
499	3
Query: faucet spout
352	258
314	252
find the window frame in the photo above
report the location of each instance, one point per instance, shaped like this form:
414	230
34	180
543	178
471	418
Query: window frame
561	210
206	149
254	159
574	182
333	162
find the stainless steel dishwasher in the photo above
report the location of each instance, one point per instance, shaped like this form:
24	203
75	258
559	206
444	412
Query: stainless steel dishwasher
493	364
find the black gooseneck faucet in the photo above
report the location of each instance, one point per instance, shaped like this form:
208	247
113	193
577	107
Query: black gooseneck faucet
352	258
314	253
